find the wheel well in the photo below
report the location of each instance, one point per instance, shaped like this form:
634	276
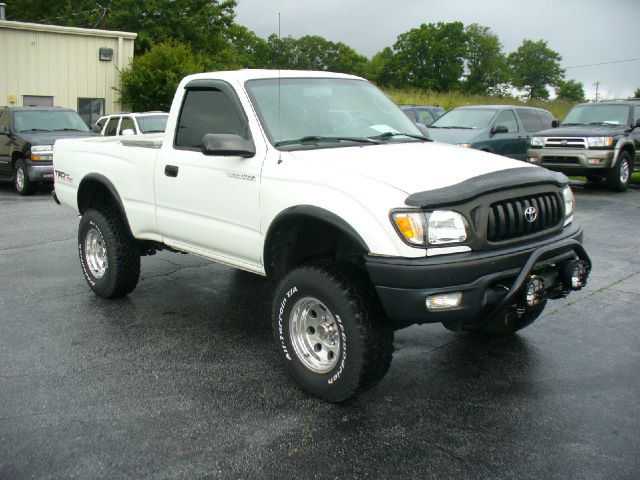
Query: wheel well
98	192
299	239
629	149
15	156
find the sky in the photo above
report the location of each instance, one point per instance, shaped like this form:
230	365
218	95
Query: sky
583	32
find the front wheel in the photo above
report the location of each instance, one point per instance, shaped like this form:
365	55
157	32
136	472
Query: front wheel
21	181
619	177
109	255
331	330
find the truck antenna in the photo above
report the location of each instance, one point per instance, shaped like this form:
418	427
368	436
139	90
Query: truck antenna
279	75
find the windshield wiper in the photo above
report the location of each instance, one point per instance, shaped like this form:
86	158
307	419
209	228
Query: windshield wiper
389	135
36	130
606	124
572	124
315	139
456	127
66	130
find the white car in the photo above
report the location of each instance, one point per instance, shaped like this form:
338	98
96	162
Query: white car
131	123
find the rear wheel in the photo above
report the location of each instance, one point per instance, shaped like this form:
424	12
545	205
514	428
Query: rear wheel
331	330
109	255
619	177
21	181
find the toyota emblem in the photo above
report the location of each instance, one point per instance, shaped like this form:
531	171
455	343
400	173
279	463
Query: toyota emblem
530	214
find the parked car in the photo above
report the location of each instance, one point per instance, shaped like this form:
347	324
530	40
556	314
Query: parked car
353	215
597	140
423	114
501	129
131	123
27	135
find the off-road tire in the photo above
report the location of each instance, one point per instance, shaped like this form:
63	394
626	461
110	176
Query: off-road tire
21	181
614	181
122	254
363	332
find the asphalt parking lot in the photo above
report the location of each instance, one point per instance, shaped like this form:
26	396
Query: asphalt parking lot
181	379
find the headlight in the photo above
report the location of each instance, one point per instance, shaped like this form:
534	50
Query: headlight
537	141
440	227
463	145
600	141
445	226
42	152
410	226
569	205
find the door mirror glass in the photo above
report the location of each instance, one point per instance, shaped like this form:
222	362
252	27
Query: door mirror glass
499	129
555	123
227	145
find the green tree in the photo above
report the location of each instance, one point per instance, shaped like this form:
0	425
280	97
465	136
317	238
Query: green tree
199	23
486	64
429	57
378	69
636	94
535	66
150	82
571	90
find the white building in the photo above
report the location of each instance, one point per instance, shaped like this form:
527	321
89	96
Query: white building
48	65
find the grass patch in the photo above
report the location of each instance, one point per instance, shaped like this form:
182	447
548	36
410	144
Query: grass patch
450	100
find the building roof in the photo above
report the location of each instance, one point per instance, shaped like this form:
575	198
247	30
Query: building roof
92	32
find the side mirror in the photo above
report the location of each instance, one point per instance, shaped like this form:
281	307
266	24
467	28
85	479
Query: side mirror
555	123
227	145
637	123
499	129
128	131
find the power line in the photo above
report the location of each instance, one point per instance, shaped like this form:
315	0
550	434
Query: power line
604	63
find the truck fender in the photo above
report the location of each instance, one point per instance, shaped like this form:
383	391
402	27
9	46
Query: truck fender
95	184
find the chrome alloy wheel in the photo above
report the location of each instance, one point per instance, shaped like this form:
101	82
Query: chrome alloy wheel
624	172
314	335
20	179
95	253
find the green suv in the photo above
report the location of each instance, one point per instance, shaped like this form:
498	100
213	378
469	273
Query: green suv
596	140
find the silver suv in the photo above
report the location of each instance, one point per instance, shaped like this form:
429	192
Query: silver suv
596	140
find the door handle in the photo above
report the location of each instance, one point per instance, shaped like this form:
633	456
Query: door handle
171	170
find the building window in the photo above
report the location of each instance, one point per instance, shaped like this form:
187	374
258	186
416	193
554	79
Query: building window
90	109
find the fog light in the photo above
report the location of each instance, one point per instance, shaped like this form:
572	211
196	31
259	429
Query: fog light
444	301
534	160
575	273
534	291
596	161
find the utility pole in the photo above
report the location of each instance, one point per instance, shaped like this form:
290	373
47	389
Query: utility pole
597	84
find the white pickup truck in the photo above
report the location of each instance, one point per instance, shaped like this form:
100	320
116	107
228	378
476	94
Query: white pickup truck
319	181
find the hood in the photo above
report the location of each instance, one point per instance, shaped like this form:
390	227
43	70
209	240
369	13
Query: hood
49	138
583	131
409	167
455	135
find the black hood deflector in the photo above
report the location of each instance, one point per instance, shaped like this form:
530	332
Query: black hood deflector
487	183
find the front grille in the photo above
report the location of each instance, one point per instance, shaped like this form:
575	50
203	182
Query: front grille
559	159
507	217
568	142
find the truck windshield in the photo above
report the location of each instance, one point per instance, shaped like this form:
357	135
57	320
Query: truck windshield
152	123
472	118
598	114
48	121
308	112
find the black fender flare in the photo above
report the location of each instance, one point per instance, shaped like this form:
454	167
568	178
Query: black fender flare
84	190
311	212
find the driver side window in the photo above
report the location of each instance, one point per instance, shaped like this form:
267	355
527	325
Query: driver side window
206	111
507	119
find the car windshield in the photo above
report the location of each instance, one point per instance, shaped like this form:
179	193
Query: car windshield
312	112
152	123
598	114
48	121
473	118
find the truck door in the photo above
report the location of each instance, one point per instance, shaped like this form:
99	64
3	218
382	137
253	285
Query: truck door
5	143
210	204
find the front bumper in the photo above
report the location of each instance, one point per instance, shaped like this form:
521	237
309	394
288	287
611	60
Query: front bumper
490	281
572	161
40	171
